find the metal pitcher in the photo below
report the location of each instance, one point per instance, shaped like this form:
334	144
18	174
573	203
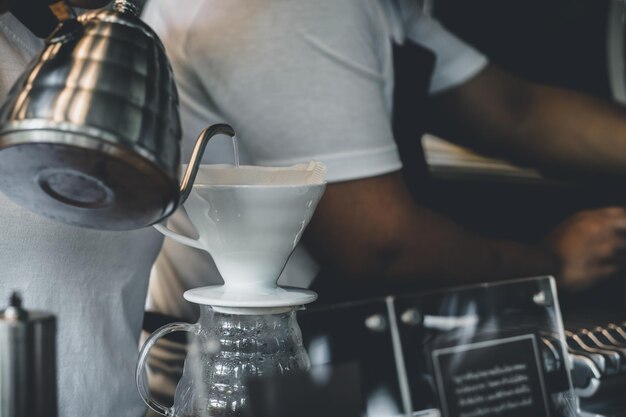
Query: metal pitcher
90	133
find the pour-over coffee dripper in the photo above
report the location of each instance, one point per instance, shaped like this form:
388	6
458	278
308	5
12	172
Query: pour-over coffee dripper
249	219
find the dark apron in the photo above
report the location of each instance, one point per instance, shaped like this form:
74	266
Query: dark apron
413	68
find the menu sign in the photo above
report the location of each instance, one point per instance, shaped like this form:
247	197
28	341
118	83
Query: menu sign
494	378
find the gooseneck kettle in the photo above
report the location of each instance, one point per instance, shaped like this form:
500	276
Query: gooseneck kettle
90	133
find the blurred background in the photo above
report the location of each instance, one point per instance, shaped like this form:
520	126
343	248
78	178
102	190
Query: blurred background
576	44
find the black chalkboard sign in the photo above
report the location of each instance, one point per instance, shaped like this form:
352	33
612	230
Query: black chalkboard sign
491	378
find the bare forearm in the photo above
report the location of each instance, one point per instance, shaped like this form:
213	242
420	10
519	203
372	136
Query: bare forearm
554	129
373	230
574	132
437	252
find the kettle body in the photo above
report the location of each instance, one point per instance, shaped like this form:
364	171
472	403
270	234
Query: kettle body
90	133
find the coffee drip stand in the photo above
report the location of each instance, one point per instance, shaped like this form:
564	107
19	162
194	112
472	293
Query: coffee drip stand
90	136
249	219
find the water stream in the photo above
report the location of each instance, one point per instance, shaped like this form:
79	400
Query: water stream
236	151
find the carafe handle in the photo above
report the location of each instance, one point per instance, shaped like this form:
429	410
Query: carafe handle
140	373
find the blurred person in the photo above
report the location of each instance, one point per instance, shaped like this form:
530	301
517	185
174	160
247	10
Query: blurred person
302	80
95	282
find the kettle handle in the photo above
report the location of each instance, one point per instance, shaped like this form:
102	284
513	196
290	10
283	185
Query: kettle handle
196	156
140	374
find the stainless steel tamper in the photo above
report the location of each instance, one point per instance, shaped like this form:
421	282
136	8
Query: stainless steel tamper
27	362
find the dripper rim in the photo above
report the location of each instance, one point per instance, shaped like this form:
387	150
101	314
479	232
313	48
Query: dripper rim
317	184
319	170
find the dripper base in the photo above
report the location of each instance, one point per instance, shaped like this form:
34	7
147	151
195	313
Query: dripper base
221	296
252	311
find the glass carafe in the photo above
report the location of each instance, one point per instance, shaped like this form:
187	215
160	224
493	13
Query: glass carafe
224	352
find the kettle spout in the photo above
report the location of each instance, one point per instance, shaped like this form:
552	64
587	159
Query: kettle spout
196	156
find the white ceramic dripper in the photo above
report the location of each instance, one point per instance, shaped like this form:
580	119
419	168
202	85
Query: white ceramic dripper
250	219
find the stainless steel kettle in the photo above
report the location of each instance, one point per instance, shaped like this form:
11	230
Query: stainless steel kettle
90	133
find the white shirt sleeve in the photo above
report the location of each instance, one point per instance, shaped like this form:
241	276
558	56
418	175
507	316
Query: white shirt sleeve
456	61
298	81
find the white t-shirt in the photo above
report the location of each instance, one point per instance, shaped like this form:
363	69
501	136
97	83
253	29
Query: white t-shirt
298	80
94	282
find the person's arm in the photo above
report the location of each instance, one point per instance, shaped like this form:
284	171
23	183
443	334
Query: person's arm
307	106
372	230
557	130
